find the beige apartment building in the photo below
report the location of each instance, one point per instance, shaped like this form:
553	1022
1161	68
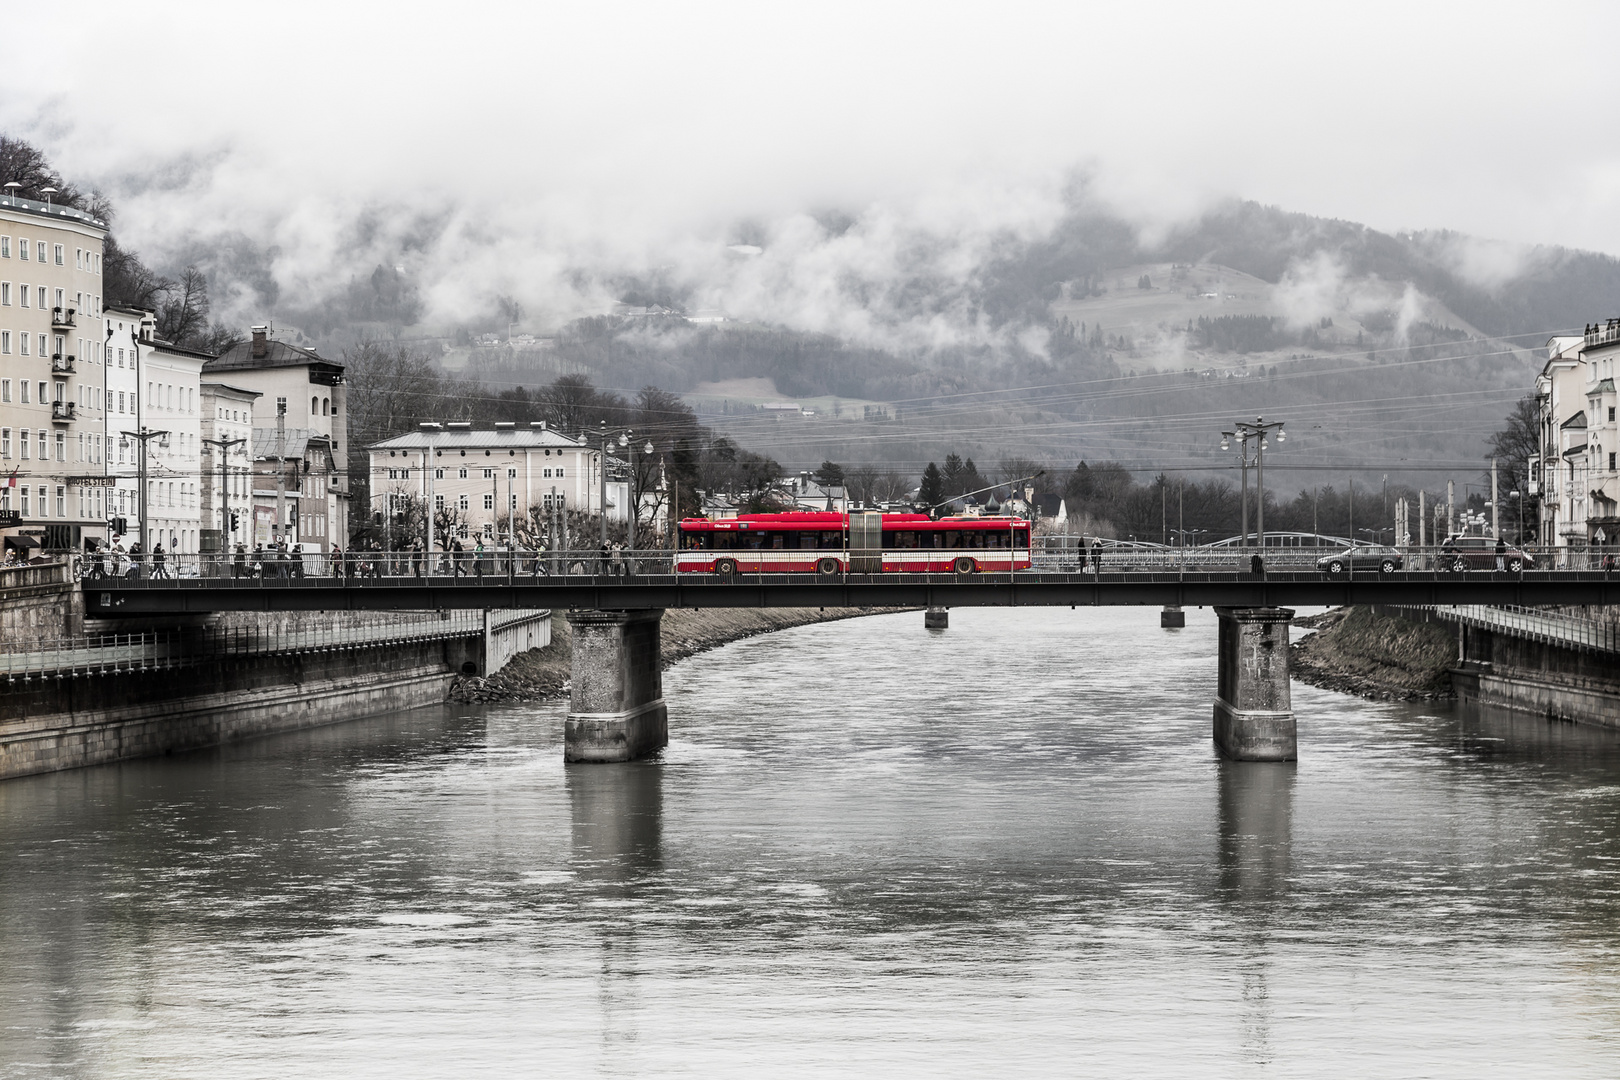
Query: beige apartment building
52	378
487	477
227	465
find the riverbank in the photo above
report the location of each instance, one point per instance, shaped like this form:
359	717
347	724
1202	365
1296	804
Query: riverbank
1381	657
544	673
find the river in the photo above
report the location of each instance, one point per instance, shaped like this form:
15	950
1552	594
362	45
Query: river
1004	849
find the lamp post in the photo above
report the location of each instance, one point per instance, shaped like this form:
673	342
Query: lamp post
1259	431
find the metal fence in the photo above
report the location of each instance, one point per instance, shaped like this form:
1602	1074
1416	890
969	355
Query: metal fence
1536	624
92	654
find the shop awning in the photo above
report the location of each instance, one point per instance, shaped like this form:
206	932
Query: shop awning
22	543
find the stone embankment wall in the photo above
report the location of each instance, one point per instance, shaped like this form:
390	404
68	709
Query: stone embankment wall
198	697
1557	682
39	602
52	724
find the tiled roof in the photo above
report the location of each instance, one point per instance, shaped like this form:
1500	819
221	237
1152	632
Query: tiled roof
296	442
1576	421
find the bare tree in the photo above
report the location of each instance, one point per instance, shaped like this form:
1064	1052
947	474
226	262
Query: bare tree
183	315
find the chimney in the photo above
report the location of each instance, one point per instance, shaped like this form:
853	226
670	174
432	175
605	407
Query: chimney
261	342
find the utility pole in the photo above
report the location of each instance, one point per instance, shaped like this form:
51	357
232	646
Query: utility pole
1451	507
1496	517
1423	521
603	480
141	439
224	489
430	469
281	465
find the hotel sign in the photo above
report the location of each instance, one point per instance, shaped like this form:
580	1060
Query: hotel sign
92	481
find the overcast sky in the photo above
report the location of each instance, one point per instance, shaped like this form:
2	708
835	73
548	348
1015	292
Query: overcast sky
555	134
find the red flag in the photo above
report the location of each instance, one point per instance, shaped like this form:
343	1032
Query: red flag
11	481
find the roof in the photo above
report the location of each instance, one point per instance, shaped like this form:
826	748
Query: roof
181	350
1606	386
278	354
233	389
1576	421
518	438
297	441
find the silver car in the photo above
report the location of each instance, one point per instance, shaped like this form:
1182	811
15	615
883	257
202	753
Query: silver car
1385	560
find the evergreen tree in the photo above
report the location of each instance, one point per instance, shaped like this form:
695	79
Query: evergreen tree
932	491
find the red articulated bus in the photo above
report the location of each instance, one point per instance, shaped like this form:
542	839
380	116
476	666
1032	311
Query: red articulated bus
859	543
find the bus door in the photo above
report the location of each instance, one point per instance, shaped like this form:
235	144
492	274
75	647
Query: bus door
866	543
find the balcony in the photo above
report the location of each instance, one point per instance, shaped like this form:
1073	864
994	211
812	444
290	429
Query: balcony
62	318
61	365
1603	335
64	412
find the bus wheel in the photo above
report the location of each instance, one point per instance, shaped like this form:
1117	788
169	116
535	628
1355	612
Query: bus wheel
827	567
964	565
725	567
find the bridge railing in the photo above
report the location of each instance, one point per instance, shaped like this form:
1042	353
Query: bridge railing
495	565
89	654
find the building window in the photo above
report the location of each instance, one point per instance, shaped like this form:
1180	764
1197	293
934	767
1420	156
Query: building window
24	493
5	247
1611	463
61	446
559	474
489	474
463	502
489	502
43	497
5	390
5	294
5	342
438	474
5	442
61	502
464	472
23	386
44	445
22	248
438	503
60	259
25	439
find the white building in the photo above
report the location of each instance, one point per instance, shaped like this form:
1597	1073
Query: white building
488	477
299	432
227	473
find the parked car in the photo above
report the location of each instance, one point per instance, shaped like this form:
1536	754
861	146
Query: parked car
1385	560
1460	554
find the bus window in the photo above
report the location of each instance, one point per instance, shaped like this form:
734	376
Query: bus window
724	541
832	541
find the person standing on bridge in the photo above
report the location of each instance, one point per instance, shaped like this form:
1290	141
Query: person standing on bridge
1096	555
1501	554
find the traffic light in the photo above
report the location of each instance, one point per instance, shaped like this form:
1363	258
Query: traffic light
120	525
236	521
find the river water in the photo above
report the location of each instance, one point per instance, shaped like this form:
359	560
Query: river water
1003	849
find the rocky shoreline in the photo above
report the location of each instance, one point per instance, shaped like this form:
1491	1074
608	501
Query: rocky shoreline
544	673
1375	656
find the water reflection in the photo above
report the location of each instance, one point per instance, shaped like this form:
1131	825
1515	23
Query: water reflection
617	813
1255	836
1255	830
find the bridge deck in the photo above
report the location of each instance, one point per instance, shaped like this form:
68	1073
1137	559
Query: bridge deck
111	598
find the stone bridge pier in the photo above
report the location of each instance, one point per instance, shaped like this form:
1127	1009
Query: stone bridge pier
616	706
1254	713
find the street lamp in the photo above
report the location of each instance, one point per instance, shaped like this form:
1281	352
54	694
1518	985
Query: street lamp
429	465
1259	431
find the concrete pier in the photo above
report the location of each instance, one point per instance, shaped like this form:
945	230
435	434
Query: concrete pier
1172	617
616	709
1254	714
936	618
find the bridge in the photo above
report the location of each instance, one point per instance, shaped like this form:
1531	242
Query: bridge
617	710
